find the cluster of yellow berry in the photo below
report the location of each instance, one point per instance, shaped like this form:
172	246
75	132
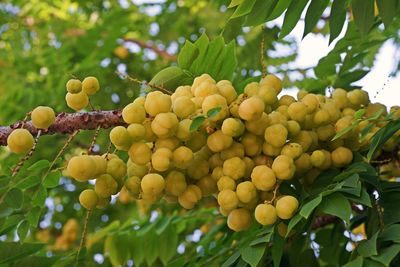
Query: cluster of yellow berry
21	140
239	155
78	94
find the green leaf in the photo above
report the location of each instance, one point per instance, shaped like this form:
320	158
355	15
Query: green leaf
11	222
261	10
235	3
11	251
280	7
39	197
387	10
14	198
196	123
52	179
293	222
345	80
243	9
314	13
367	248
391	233
386	255
345	131
253	255
277	249
292	16
168	249
40	261
382	136
359	113
357	262
187	55
39	165
337	18
162	225
28	182
363	12
22	230
33	216
337	205
170	78
116	246
228	63
309	207
213	112
232	259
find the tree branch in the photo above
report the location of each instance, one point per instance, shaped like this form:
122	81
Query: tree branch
67	123
158	51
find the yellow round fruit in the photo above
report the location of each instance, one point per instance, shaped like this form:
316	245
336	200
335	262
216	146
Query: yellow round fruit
297	111
276	135
182	157
164	124
116	168
246	192
234	168
132	184
105	186
263	178
183	107
207	185
140	153
215	101
152	183
251	109
226	89
81	168
43	117
136	131
341	156
101	164
88	199
133	113
226	182
283	167
74	86
318	158
286	207
77	101
232	127
20	141
272	81
156	102
293	150
119	136
228	199
265	214
239	219
161	159
175	183
218	141
90	85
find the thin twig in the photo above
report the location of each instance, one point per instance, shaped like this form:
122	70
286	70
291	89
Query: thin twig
83	237
96	133
274	194
27	156
160	88
262	48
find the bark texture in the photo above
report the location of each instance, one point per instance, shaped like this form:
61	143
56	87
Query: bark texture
67	123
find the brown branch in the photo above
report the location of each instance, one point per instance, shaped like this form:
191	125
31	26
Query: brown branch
322	221
67	123
158	51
